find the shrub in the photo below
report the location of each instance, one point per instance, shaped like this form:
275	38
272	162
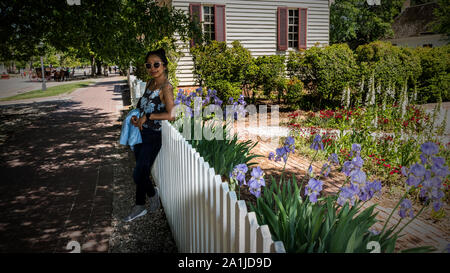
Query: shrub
294	91
387	66
434	81
220	67
268	74
325	71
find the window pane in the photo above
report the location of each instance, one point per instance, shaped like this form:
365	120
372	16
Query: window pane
206	9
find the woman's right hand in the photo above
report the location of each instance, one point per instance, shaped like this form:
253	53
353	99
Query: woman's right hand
134	121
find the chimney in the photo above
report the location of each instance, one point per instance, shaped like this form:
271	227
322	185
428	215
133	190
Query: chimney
406	5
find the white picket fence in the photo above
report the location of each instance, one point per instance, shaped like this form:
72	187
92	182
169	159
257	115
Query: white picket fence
203	214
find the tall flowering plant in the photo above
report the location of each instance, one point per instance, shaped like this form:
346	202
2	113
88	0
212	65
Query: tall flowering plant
307	222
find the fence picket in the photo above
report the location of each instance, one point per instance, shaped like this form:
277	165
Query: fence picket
211	212
197	203
277	247
231	203
205	212
263	239
251	226
223	217
240	211
217	213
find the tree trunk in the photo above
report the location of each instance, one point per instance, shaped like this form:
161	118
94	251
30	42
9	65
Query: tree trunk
93	66
99	68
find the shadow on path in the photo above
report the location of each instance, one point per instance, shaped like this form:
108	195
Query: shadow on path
56	163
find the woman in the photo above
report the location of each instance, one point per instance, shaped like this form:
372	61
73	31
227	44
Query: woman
155	105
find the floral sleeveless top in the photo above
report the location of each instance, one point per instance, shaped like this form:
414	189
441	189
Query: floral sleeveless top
149	103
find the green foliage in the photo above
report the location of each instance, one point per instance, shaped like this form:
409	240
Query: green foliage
325	71
111	31
388	64
294	91
222	154
268	74
356	23
321	227
434	81
442	24
221	68
51	91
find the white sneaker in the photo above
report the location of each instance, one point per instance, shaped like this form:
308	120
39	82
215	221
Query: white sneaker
155	204
136	212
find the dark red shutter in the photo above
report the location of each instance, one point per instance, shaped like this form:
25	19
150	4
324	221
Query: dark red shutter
219	23
195	10
302	27
282	28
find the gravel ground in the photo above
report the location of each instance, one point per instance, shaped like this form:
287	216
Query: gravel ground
148	234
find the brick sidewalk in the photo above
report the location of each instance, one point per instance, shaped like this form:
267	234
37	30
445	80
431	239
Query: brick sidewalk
57	160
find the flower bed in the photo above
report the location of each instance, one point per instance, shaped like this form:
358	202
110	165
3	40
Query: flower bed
291	212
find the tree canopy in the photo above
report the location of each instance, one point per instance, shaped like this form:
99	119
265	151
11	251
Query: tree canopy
114	31
356	22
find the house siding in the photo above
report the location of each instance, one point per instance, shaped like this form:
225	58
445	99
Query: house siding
254	24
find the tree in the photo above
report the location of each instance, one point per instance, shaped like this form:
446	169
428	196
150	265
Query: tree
112	31
442	24
356	23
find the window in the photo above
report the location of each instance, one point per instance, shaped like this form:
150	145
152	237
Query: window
293	28
208	22
212	18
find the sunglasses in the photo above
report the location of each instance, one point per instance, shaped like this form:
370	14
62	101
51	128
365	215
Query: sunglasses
155	65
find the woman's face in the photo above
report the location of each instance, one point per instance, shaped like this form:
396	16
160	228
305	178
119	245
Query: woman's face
155	72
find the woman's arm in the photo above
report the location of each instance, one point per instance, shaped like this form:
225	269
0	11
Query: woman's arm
169	102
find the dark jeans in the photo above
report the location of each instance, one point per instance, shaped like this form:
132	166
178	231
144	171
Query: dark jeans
145	154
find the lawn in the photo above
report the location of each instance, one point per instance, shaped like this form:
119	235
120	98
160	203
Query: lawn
51	91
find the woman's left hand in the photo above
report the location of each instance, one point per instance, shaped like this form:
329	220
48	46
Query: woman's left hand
141	121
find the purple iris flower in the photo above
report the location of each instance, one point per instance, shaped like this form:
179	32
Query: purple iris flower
326	169
437	205
429	148
358	162
239	172
256	182
358	176
349	194
271	156
317	143
313	189
418	170
406	209
333	158
356	148
440	170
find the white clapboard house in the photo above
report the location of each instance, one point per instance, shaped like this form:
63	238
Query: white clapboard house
265	27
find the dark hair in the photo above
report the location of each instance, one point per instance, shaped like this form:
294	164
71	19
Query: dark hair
160	53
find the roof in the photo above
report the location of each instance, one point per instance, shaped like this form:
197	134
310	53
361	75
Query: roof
415	21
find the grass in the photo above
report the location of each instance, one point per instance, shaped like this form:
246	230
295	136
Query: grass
51	91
